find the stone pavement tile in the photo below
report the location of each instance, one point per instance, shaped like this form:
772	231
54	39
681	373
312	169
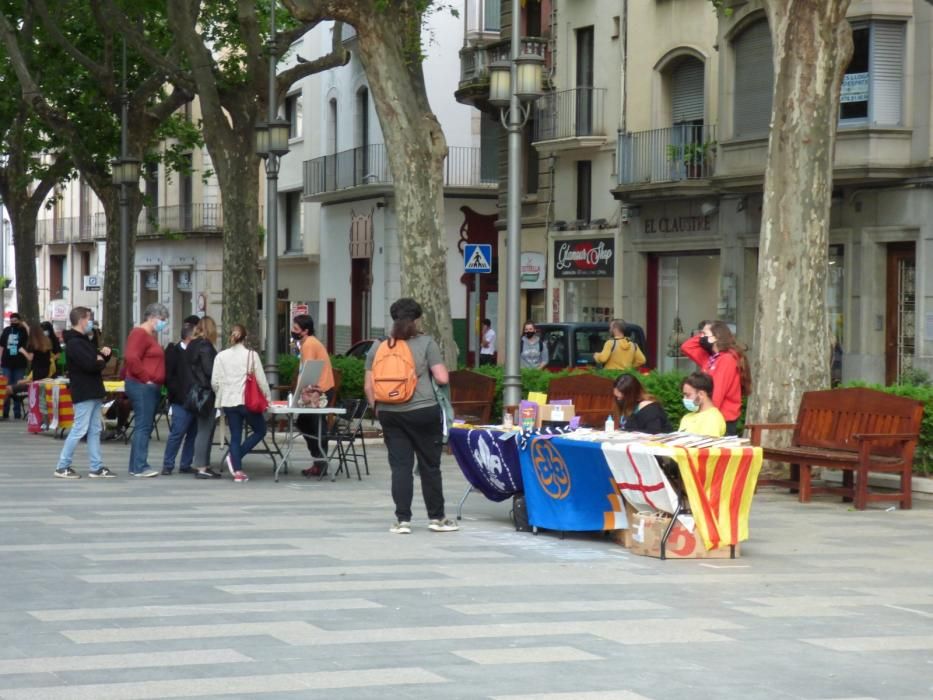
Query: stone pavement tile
882	642
525	655
557	606
593	695
192	688
116	661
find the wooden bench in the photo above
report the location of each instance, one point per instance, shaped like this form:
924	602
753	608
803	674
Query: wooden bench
591	395
472	396
856	430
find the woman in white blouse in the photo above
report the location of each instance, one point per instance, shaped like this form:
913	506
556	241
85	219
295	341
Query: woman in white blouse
228	381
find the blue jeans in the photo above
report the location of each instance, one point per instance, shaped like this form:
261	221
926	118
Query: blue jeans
88	421
145	400
13	375
184	426
236	417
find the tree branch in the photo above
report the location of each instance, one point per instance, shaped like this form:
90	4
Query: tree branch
249	26
172	70
98	71
337	57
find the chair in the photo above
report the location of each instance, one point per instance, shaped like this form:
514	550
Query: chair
591	395
161	412
472	395
345	432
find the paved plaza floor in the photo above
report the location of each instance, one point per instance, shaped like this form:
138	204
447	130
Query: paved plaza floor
178	588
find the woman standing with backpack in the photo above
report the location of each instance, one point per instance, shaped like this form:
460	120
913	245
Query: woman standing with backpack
399	371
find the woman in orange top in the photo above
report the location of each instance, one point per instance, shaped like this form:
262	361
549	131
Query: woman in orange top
313	349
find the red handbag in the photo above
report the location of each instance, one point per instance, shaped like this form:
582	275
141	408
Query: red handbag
253	398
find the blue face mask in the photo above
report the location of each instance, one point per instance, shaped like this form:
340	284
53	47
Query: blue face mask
90	327
691	405
161	325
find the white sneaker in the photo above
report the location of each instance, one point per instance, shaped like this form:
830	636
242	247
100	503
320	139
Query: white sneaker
402	528
147	474
445	525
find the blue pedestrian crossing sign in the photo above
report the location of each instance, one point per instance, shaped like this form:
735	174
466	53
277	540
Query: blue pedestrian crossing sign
477	258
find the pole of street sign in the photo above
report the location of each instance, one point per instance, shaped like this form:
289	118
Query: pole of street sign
477	321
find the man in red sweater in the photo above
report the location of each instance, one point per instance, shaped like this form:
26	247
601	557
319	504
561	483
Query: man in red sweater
145	374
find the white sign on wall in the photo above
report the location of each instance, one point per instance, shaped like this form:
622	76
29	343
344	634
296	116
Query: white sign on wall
533	270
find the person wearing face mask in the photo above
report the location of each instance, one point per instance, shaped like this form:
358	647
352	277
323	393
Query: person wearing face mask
702	417
145	374
717	353
313	349
533	350
13	363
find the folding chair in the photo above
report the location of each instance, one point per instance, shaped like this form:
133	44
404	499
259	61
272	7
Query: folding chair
347	429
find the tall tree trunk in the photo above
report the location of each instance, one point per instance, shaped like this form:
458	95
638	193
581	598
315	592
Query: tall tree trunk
812	45
23	214
416	149
109	195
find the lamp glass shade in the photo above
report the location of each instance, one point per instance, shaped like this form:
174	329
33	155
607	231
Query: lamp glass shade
529	68
125	171
500	83
262	139
278	137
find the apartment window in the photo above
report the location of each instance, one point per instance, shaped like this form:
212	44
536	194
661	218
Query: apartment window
85	263
584	190
293	115
294	240
872	89
584	94
531	160
686	80
151	180
492	10
489	131
186	194
754	81
332	126
362	135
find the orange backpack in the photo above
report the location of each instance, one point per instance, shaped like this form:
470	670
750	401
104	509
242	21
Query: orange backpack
394	377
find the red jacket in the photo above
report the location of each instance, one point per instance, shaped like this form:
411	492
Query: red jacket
723	367
144	358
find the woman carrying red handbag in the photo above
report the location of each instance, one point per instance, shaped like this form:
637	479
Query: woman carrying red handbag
243	393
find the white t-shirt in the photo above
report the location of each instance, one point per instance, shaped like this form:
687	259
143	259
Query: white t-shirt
489	340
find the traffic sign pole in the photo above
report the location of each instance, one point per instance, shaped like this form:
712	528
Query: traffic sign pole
477	321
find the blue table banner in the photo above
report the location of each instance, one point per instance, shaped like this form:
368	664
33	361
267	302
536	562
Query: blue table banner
569	486
489	461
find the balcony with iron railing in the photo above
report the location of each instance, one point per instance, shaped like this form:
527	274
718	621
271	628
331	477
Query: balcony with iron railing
464	167
573	116
68	229
475	60
198	218
685	153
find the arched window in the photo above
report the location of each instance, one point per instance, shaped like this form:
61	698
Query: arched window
331	145
754	80
687	103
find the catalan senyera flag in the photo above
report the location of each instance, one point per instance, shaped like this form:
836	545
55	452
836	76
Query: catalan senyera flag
2	389
720	483
60	407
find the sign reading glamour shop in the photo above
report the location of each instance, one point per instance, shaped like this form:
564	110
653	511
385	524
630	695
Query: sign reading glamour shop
588	257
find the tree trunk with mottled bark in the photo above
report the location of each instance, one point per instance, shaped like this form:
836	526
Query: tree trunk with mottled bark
812	43
389	45
23	222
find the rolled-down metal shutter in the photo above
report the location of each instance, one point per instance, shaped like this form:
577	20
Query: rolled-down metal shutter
754	81
687	92
886	63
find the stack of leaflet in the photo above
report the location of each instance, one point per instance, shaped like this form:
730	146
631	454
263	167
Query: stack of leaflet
696	441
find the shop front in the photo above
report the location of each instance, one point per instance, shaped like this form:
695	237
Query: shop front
584	275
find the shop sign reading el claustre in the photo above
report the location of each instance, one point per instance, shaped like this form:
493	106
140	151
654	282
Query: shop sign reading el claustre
587	257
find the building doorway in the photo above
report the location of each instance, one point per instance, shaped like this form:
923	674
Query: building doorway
900	325
361	283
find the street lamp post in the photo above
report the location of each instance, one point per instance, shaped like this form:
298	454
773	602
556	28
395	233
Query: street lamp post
271	145
513	87
125	173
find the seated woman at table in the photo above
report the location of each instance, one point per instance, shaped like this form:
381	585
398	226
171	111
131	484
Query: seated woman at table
641	412
703	418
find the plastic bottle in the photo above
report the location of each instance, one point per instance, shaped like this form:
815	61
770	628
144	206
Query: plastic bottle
610	424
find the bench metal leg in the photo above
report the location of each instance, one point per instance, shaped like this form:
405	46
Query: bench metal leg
806	474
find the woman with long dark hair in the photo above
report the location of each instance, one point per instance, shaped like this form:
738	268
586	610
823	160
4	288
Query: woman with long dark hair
38	351
641	412
200	355
719	355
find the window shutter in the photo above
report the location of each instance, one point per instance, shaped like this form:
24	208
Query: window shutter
687	92
886	63
754	81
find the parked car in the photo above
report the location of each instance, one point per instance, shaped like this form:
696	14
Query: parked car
573	344
360	348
